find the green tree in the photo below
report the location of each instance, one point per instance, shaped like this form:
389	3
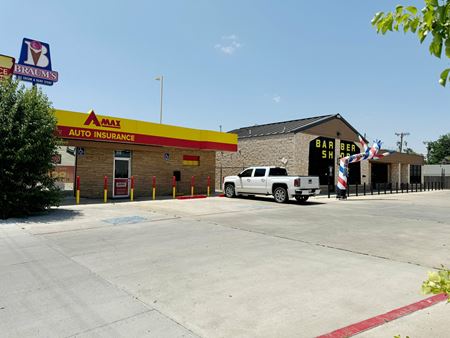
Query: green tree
433	19
28	143
439	149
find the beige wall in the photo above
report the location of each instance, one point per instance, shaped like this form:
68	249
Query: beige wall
258	151
405	173
395	173
146	162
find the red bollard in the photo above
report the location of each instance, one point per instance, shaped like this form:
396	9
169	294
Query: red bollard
77	194
174	186
192	185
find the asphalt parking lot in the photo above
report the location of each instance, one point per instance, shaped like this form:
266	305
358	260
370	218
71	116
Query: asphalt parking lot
222	267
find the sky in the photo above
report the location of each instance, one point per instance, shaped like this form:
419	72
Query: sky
237	63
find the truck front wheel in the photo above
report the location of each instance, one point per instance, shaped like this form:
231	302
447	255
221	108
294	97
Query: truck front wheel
280	194
229	191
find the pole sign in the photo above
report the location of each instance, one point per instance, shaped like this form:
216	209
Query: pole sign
35	64
6	66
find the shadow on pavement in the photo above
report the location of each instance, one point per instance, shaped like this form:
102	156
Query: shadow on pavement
271	200
52	215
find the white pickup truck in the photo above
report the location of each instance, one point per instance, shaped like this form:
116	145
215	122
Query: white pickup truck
271	181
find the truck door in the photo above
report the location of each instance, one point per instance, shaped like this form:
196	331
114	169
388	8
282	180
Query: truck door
257	182
244	180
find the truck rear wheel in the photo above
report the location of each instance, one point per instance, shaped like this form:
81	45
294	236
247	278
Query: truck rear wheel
280	195
301	199
229	191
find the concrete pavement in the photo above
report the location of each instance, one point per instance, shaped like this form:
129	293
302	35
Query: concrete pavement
219	267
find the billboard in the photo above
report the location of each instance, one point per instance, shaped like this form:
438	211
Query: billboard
35	63
6	66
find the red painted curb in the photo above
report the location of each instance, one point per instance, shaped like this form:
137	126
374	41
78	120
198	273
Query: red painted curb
190	197
370	323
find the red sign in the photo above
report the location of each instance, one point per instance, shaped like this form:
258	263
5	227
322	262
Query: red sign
108	123
6	66
121	187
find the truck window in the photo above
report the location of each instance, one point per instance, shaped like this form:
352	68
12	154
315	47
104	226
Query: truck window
246	173
277	172
260	172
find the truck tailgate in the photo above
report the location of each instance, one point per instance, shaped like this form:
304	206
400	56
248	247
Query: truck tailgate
309	182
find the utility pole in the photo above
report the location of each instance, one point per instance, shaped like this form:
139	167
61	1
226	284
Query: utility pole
427	143
402	135
161	80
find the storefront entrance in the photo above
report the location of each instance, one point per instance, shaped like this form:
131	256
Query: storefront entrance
379	173
122	173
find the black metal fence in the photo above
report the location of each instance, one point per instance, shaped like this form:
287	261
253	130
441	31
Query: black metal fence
389	188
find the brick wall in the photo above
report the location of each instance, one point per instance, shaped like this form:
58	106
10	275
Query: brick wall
271	150
274	150
146	162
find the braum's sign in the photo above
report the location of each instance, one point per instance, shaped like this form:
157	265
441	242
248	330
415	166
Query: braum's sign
35	64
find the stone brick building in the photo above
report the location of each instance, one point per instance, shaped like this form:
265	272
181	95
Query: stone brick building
312	146
122	149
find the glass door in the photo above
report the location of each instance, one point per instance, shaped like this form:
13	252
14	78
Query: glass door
122	176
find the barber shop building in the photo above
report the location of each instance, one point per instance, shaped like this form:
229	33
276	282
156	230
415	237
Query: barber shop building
313	146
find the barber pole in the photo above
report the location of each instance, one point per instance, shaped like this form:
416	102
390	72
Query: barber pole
105	189
368	154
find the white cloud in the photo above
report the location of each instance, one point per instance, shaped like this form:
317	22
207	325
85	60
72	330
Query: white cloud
229	44
276	99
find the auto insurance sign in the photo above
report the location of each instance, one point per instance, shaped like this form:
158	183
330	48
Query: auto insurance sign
35	64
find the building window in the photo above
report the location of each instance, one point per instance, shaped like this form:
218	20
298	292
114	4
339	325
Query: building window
415	173
122	153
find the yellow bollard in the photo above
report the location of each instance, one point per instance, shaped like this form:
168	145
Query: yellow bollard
132	189
209	186
77	194
105	189
174	187
154	188
192	185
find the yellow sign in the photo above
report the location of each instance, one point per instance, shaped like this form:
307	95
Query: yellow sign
327	147
347	149
72	125
6	66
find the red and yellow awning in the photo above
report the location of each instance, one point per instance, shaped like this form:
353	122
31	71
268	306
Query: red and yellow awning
92	127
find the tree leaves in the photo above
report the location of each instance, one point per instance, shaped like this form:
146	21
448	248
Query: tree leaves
437	282
27	131
434	19
436	46
440	149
